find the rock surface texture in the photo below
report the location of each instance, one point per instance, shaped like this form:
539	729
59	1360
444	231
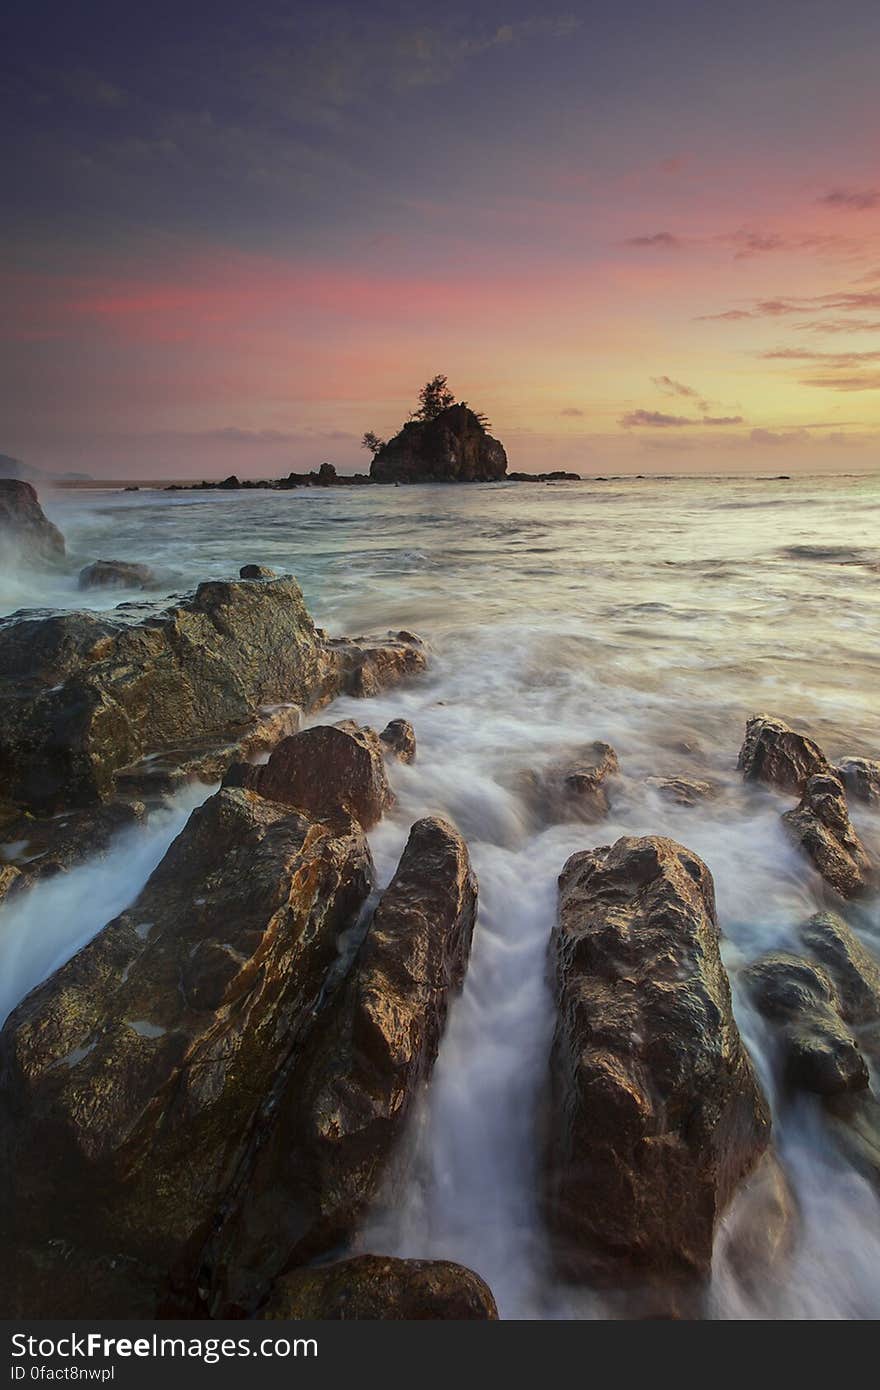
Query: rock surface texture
375	1286
452	448
820	824
24	525
861	777
774	754
654	1113
115	574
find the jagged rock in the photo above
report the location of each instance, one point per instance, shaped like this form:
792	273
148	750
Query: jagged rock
773	753
24	524
10	881
819	1052
324	770
115	574
83	696
343	1114
854	970
452	448
256	572
368	665
820	824
684	791
861	777
140	1078
376	1286
399	738
654	1111
583	782
40	847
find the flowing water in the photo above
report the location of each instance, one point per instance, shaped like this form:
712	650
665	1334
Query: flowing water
653	614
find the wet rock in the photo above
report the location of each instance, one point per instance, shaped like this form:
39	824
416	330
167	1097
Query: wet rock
139	1079
82	697
819	1051
25	526
41	847
820	824
344	1113
325	770
365	666
861	778
654	1111
376	1286
454	447
855	972
256	572
10	881
399	738
761	1227
115	574
773	753
583	782
684	791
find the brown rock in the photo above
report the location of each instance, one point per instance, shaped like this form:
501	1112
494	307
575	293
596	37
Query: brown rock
115	574
773	753
584	781
42	847
861	777
376	1286
365	666
256	572
139	1079
854	970
454	447
819	1051
400	739
655	1115
345	1110
209	759
761	1226
24	524
820	824
684	791
10	881
325	770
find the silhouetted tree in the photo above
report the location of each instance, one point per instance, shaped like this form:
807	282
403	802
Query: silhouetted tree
372	442
434	397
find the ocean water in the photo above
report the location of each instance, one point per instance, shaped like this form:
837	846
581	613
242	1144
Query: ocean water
656	615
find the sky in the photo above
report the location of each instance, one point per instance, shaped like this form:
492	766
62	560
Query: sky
639	237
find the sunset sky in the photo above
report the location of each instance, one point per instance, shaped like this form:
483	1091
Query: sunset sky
640	237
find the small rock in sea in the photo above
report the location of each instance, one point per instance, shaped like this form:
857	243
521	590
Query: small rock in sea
861	777
774	754
855	972
684	791
256	572
115	574
821	826
377	1286
819	1051
24	523
399	738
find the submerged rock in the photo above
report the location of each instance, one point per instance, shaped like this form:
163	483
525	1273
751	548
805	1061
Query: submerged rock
324	770
399	738
684	791
654	1113
115	574
139	1079
773	753
342	1115
583	782
82	696
855	972
376	1286
819	1051
861	777
453	447
24	524
820	824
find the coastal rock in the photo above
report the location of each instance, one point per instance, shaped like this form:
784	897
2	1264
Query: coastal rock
343	1114
773	753
861	777
819	1052
365	666
376	1286
855	972
324	770
583	782
82	696
139	1079
25	526
40	847
654	1111
115	574
820	824
256	572
399	738
684	791
453	447
10	881
761	1226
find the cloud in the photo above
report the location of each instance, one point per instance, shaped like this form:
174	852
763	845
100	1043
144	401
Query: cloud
656	419
859	200
793	436
235	434
828	359
573	411
670	387
840	326
867	381
722	420
656	241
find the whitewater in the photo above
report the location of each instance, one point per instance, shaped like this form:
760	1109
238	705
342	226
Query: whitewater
653	614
